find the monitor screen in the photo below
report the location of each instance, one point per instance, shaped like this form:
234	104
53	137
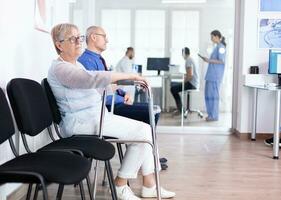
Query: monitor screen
139	67
274	63
159	64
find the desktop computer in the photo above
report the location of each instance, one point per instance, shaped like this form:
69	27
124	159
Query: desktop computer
158	64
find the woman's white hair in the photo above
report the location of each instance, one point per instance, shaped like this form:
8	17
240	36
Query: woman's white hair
60	31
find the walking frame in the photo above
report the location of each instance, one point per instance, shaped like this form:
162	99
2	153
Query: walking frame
153	144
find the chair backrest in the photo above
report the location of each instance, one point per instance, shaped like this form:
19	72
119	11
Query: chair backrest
30	106
7	129
52	101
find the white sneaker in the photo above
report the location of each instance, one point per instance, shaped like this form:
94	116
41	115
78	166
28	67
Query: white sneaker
125	193
152	193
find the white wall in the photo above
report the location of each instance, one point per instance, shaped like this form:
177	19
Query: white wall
247	54
25	52
82	13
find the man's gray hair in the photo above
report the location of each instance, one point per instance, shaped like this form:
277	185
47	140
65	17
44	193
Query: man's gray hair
89	31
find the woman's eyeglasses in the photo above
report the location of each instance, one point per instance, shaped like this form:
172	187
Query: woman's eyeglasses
75	39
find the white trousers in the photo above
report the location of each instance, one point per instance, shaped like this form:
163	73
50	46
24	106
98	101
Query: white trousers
137	155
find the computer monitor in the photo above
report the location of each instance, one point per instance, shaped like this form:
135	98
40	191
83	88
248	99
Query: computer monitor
139	67
158	64
274	63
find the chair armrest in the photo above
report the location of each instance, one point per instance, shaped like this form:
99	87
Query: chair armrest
73	151
129	141
31	176
125	82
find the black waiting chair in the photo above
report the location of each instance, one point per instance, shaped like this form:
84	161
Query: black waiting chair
57	119
40	168
33	114
57	115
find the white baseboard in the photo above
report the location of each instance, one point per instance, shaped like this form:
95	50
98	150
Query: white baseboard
194	130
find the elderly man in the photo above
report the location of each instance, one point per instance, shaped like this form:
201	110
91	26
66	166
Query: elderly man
91	59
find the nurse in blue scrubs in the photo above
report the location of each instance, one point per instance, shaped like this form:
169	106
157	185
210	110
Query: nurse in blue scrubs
214	75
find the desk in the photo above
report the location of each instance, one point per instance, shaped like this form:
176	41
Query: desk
162	86
165	88
180	77
277	91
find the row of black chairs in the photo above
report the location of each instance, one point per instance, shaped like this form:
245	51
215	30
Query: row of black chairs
64	161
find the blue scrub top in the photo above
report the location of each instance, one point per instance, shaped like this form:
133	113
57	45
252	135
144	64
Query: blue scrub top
215	71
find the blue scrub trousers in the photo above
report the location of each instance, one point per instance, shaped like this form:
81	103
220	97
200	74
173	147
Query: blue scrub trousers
212	97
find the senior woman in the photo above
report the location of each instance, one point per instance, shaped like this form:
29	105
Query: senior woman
79	102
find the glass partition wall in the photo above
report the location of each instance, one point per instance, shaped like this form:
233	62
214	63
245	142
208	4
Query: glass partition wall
157	30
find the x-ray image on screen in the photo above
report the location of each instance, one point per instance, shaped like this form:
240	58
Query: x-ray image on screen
270	5
270	33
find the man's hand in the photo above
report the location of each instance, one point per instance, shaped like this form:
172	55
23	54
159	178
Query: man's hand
128	99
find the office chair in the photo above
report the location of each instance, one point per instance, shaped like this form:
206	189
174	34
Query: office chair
40	168
188	109
31	109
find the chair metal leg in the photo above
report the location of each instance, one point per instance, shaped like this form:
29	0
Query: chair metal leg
121	156
190	110
95	180
154	146
156	170
44	190
36	192
111	180
120	152
28	195
60	192
89	187
104	177
82	192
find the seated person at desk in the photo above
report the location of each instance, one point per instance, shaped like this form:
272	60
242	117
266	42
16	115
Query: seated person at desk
126	63
79	101
191	80
92	60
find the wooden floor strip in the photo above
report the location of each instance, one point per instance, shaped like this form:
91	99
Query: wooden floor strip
208	167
